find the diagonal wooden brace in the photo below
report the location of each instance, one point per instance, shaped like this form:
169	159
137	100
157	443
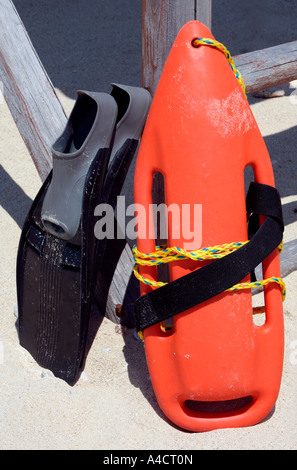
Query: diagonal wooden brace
27	89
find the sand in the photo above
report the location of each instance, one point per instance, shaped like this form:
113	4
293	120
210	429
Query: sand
113	405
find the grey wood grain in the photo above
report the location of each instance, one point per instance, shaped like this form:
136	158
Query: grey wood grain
161	22
27	89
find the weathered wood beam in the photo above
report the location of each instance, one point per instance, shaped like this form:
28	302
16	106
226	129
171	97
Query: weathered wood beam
161	22
268	67
27	89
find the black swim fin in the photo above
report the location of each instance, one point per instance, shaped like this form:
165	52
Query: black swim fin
59	255
133	109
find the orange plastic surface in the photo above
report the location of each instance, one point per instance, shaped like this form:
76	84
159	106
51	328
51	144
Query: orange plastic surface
201	134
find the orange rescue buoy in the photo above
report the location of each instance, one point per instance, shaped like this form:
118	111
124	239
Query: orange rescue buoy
214	368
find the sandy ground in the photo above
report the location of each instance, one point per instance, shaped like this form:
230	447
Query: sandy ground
113	404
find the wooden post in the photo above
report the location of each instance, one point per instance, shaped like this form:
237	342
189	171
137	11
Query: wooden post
161	22
27	89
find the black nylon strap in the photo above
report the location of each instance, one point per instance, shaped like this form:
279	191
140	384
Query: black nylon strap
208	281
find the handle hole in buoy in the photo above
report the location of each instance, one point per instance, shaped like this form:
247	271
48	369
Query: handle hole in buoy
224	408
195	44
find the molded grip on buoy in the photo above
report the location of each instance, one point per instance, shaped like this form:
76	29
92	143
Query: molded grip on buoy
201	135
